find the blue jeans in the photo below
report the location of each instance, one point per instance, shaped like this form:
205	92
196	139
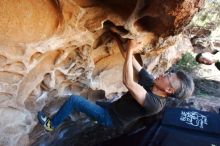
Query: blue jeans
81	104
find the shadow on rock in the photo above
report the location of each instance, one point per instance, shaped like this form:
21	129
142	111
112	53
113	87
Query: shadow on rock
83	132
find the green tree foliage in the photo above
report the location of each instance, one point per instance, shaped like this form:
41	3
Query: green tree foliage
187	62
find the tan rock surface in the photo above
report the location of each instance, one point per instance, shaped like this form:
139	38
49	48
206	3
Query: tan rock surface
27	21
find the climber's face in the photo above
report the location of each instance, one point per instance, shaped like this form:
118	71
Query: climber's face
167	82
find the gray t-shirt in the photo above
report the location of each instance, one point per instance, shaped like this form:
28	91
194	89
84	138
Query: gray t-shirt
127	109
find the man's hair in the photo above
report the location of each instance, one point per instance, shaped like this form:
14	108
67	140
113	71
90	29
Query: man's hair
198	56
186	85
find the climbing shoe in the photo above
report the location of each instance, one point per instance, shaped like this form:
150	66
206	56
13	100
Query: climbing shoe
45	121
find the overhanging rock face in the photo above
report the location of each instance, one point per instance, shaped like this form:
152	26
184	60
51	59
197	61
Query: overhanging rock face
27	21
50	49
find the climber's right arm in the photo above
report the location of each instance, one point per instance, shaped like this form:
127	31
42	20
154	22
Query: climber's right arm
135	63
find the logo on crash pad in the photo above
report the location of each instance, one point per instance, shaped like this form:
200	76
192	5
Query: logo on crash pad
194	118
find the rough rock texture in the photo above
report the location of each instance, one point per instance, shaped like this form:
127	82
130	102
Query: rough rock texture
204	28
50	49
